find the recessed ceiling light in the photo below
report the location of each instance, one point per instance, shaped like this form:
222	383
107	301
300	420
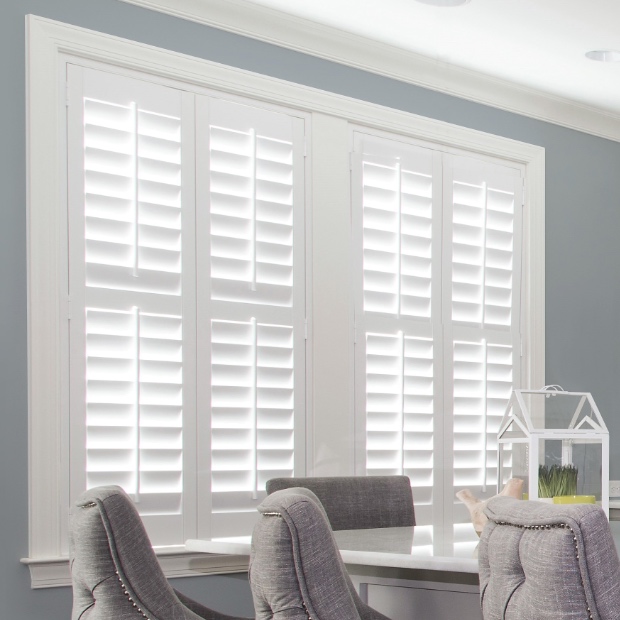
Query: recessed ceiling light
604	55
444	2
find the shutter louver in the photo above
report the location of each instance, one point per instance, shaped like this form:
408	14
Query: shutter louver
483	381
252	405
128	274
397	230
483	207
134	406
132	169
251	207
399	404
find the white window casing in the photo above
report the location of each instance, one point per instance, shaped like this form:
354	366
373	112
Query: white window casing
51	47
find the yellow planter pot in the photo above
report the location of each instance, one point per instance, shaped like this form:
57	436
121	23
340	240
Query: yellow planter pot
574	499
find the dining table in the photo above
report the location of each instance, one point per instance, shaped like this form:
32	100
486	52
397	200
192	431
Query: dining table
398	570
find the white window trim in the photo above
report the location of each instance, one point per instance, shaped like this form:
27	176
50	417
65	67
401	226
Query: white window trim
48	42
277	27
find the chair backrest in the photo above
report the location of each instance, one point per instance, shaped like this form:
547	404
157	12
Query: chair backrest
296	572
547	562
358	502
115	573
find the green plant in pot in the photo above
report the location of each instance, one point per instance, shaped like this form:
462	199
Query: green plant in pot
557	480
560	483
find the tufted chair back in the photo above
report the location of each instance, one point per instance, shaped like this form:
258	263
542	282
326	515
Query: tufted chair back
358	502
115	573
296	572
549	562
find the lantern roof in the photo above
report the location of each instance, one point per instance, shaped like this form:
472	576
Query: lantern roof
551	411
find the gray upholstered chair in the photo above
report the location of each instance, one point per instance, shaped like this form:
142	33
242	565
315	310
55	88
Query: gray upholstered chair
358	502
547	562
115	573
296	572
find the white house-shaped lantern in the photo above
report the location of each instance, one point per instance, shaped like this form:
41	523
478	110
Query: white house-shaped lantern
554	427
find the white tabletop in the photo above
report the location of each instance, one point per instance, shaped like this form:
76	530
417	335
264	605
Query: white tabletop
400	547
397	547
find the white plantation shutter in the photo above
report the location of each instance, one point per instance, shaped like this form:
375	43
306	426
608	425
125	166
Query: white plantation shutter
187	297
251	205
252	404
134	406
483	382
437	318
395	188
484	203
399	409
483	242
397	228
482	272
255	191
132	319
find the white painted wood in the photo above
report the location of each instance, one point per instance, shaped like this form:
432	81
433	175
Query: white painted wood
309	37
332	326
54	572
50	45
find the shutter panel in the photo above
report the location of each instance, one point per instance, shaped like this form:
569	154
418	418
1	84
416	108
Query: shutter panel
483	242
408	201
397	228
130	322
399	405
483	273
483	381
395	188
256	311
251	170
134	406
252	404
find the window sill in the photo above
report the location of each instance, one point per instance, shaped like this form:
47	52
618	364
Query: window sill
177	562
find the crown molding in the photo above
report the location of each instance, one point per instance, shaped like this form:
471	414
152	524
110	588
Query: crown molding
302	35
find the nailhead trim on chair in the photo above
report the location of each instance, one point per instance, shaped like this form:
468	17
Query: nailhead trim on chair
125	591
549	527
277	514
129	596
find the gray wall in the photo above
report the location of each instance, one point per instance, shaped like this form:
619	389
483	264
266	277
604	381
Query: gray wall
583	256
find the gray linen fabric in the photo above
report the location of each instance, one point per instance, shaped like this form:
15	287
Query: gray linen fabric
547	562
115	573
296	571
358	502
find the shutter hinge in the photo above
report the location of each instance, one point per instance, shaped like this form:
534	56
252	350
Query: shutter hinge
69	317
351	160
305	147
521	343
305	329
67	94
354	332
523	195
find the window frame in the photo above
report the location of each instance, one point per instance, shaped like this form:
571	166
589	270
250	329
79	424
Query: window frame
49	44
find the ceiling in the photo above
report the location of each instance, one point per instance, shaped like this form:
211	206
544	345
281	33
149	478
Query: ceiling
538	44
